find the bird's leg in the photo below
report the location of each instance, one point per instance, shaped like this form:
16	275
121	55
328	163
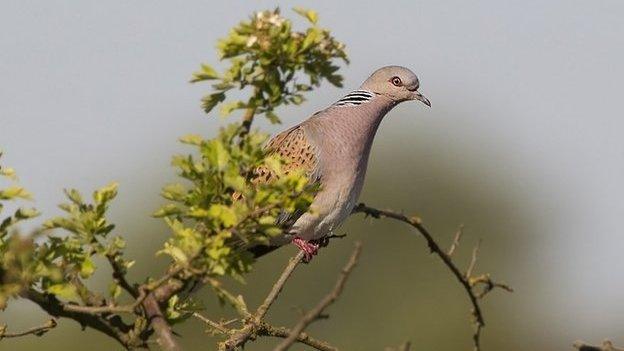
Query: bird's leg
309	248
322	242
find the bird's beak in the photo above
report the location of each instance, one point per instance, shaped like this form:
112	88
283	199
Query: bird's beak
420	97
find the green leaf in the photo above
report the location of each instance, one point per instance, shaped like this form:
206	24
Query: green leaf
105	194
63	290
87	268
114	290
206	73
192	139
8	172
224	214
174	192
167	210
26	213
216	154
74	196
229	107
310	15
234	181
210	101
272	117
174	252
14	192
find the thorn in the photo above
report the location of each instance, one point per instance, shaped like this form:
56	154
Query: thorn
456	240
473	260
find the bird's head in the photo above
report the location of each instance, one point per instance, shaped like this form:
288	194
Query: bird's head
395	82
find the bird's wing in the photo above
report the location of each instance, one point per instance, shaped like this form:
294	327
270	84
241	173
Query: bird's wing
299	153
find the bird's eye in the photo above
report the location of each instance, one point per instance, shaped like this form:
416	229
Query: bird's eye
396	81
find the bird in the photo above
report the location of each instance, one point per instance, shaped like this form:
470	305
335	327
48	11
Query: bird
333	146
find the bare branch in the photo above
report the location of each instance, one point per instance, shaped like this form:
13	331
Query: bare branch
112	326
220	327
38	330
466	280
316	312
606	346
473	260
164	335
242	336
119	275
278	286
248	119
267	330
456	240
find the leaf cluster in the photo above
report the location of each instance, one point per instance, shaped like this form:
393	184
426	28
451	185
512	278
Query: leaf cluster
279	64
55	265
220	209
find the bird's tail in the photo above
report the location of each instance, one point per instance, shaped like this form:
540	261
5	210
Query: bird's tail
261	250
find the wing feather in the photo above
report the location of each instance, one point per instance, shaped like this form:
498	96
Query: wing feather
298	152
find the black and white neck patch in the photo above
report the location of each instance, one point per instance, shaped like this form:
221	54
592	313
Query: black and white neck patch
355	98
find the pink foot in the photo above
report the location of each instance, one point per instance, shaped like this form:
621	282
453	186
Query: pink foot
310	249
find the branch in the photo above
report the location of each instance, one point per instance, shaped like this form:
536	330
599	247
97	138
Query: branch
112	326
278	286
279	332
119	275
456	240
265	329
316	312
140	294
466	280
606	346
248	119
219	327
164	334
241	337
38	331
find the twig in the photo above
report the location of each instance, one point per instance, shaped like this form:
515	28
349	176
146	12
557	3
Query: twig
38	331
242	336
214	325
120	276
267	330
465	280
247	120
606	346
456	240
473	260
164	334
113	326
489	285
314	314
278	286
139	293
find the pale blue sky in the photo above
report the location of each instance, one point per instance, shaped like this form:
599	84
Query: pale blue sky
526	102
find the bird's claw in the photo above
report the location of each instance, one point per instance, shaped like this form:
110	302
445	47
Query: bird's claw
309	248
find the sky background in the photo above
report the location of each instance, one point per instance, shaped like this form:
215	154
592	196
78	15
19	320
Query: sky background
522	145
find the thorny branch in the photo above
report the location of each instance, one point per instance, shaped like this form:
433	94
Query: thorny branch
243	335
265	329
316	312
38	330
280	332
606	346
112	326
102	315
467	280
254	324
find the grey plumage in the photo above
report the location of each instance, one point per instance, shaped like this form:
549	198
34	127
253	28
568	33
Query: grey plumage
333	147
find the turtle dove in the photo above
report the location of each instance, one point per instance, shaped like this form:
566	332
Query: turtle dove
333	147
